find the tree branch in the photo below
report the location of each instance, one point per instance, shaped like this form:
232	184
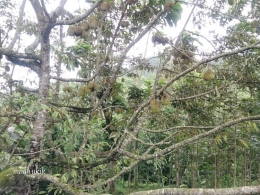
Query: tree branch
19	27
187	141
54	180
11	53
33	45
26	63
81	17
71	79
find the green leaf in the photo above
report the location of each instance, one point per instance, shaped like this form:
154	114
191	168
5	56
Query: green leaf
56	191
44	107
243	143
119	100
65	177
55	114
73	173
57	175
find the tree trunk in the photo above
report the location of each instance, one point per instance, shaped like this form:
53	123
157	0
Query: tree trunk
245	168
111	186
58	67
40	123
129	181
235	157
250	162
136	166
259	171
170	173
177	165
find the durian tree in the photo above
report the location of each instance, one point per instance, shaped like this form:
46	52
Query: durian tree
87	113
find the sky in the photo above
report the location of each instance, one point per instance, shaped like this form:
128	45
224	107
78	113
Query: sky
137	50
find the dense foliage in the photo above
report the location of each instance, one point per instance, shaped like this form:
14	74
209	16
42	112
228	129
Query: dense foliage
79	104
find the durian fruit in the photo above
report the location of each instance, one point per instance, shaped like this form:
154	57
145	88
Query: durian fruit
69	89
6	76
90	85
187	61
7	68
129	2
159	39
189	54
64	88
40	17
95	113
194	83
154	106
87	89
166	75
107	58
85	26
84	34
105	6
124	24
118	110
81	91
198	69
111	127
175	61
71	31
165	40
168	6
92	22
154	38
77	30
95	86
231	2
186	54
208	75
107	113
165	99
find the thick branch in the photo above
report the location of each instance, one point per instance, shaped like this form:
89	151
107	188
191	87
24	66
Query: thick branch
54	180
33	45
198	95
19	27
26	63
58	10
188	141
177	127
200	191
70	79
81	17
11	53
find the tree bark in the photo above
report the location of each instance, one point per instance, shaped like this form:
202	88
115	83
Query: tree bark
136	166
200	191
177	165
235	157
165	191
111	186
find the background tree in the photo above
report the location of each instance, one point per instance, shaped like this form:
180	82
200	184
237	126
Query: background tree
180	114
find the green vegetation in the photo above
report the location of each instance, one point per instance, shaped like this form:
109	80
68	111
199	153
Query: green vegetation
81	107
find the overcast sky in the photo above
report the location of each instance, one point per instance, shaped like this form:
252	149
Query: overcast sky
139	48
